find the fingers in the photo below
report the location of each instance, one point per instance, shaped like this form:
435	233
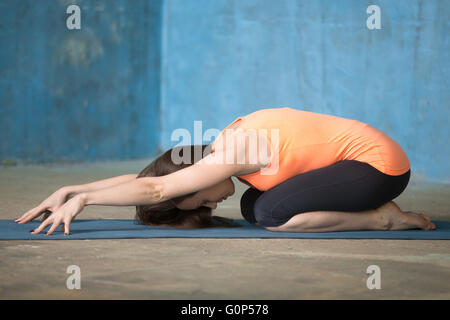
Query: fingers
66	227
30	214
42	226
45	224
25	217
53	227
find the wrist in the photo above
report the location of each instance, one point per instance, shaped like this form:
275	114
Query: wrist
83	198
70	190
66	190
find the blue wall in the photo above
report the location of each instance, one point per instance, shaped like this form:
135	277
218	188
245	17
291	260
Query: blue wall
224	58
77	95
98	93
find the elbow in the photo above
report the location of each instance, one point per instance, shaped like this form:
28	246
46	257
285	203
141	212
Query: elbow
153	189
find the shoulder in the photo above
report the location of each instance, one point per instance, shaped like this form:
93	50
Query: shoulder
248	148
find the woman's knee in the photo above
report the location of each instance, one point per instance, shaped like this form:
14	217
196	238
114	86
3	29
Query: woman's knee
263	214
256	208
248	201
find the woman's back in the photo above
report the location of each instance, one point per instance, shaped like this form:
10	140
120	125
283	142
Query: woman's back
302	141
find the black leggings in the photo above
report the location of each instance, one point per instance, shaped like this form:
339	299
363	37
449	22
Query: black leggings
347	185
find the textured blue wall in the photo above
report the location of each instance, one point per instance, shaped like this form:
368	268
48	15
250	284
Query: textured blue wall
97	93
224	58
77	95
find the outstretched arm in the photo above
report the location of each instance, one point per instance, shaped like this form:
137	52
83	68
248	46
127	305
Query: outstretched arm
145	190
96	185
207	172
61	196
134	192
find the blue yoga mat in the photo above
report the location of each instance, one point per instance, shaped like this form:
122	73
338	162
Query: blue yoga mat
130	229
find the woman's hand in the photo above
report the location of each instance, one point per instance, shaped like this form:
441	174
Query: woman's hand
49	205
66	213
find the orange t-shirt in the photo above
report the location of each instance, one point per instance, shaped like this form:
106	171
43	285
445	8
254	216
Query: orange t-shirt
302	141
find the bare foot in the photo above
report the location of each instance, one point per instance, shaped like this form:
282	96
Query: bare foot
400	220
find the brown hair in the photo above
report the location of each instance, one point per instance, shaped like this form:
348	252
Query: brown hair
166	212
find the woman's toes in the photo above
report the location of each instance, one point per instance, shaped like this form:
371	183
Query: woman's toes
430	226
425	217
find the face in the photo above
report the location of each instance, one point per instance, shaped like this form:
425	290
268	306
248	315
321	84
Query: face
209	197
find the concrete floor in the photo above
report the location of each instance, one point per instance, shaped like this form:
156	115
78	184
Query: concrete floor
212	268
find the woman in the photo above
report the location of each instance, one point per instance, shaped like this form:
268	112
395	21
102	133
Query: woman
309	172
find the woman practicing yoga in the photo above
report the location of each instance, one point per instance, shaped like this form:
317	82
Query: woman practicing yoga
309	172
